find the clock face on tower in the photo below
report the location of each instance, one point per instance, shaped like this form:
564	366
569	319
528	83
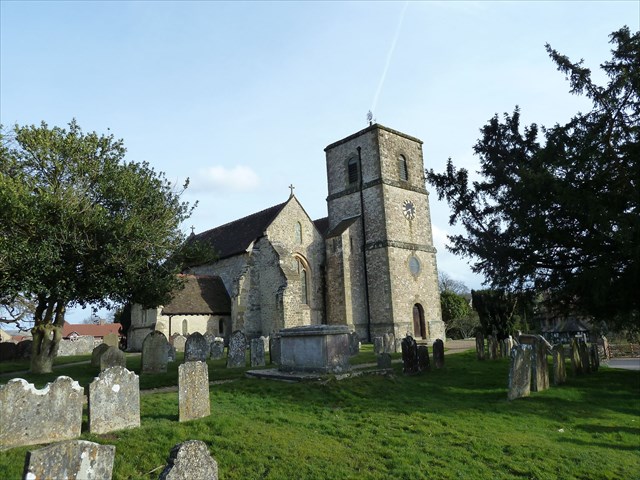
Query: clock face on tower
408	210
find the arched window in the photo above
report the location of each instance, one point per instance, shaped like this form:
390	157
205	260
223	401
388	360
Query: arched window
352	171
419	325
185	327
303	271
298	232
402	167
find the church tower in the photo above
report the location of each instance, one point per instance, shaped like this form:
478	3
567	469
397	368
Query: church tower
380	260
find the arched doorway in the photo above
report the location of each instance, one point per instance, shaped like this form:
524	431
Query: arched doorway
419	325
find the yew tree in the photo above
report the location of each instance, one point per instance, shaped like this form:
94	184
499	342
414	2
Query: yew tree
80	225
556	210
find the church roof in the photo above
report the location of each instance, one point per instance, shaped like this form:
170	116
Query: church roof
322	225
342	226
201	295
236	237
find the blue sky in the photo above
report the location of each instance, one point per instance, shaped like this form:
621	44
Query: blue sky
243	97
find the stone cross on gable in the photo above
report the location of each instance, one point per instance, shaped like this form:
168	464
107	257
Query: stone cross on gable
192	230
292	188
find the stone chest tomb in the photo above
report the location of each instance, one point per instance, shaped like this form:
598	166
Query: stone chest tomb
315	348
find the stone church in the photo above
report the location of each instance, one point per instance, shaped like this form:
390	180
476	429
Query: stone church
370	265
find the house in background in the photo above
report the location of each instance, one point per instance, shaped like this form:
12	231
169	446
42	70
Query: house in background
97	331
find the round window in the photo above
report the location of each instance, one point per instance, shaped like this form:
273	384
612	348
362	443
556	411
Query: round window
414	265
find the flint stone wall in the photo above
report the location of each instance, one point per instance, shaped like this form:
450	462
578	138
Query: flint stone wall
78	346
114	401
29	416
73	459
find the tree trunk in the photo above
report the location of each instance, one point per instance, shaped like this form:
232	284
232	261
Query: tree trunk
46	339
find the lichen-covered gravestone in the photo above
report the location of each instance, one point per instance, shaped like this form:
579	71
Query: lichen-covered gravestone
97	353
257	352
559	368
540	367
29	416
520	372
193	391
576	359
274	348
438	353
492	345
154	353
409	355
378	345
584	356
171	353
389	340
236	358
73	459
479	346
111	339
178	341
190	460
113	357
114	401
197	349
354	344
217	348
423	358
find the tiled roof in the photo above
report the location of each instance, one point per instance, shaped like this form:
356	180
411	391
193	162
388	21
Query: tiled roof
235	237
341	227
91	330
201	295
322	224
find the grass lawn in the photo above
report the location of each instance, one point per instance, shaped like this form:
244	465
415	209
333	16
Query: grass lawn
449	423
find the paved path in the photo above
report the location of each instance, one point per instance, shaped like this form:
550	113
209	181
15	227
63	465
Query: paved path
625	363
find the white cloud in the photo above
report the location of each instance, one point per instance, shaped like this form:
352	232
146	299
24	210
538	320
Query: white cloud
239	178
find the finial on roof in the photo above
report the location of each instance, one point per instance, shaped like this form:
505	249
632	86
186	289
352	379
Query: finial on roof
192	230
292	188
370	117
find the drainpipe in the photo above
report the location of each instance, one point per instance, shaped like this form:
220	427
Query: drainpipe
364	252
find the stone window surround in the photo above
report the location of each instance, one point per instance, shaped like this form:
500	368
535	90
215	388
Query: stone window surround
305	275
403	168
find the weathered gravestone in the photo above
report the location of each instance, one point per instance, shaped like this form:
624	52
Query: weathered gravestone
520	372
508	345
257	352
171	353
559	368
438	353
265	342
8	351
97	353
29	416
73	459
354	344
236	357
155	353
594	358
479	346
178	341
584	356
492	345
190	460
409	355
114	400
24	348
540	367
196	349
82	345
389	340
113	357
384	360
111	339
274	348
576	358
217	348
209	337
424	364
378	345
193	391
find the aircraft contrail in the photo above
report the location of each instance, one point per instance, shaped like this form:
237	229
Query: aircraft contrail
389	55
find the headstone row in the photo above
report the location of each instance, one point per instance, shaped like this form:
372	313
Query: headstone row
415	358
15	351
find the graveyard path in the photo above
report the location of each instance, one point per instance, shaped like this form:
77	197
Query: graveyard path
457	346
174	388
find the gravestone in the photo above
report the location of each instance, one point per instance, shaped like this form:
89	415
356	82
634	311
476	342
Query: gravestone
508	345
594	358
190	460
274	348
236	356
113	357
389	340
384	360
114	400
539	366
492	345
178	342
193	391
72	459
424	363
82	345
576	358
520	372
209	337
217	348
196	349
29	416
479	346
171	353
24	348
111	339
97	353
8	351
265	343
584	356
438	353
155	353
409	355
559	367
257	352
354	344
378	345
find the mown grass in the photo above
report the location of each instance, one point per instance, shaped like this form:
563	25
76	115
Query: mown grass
449	423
